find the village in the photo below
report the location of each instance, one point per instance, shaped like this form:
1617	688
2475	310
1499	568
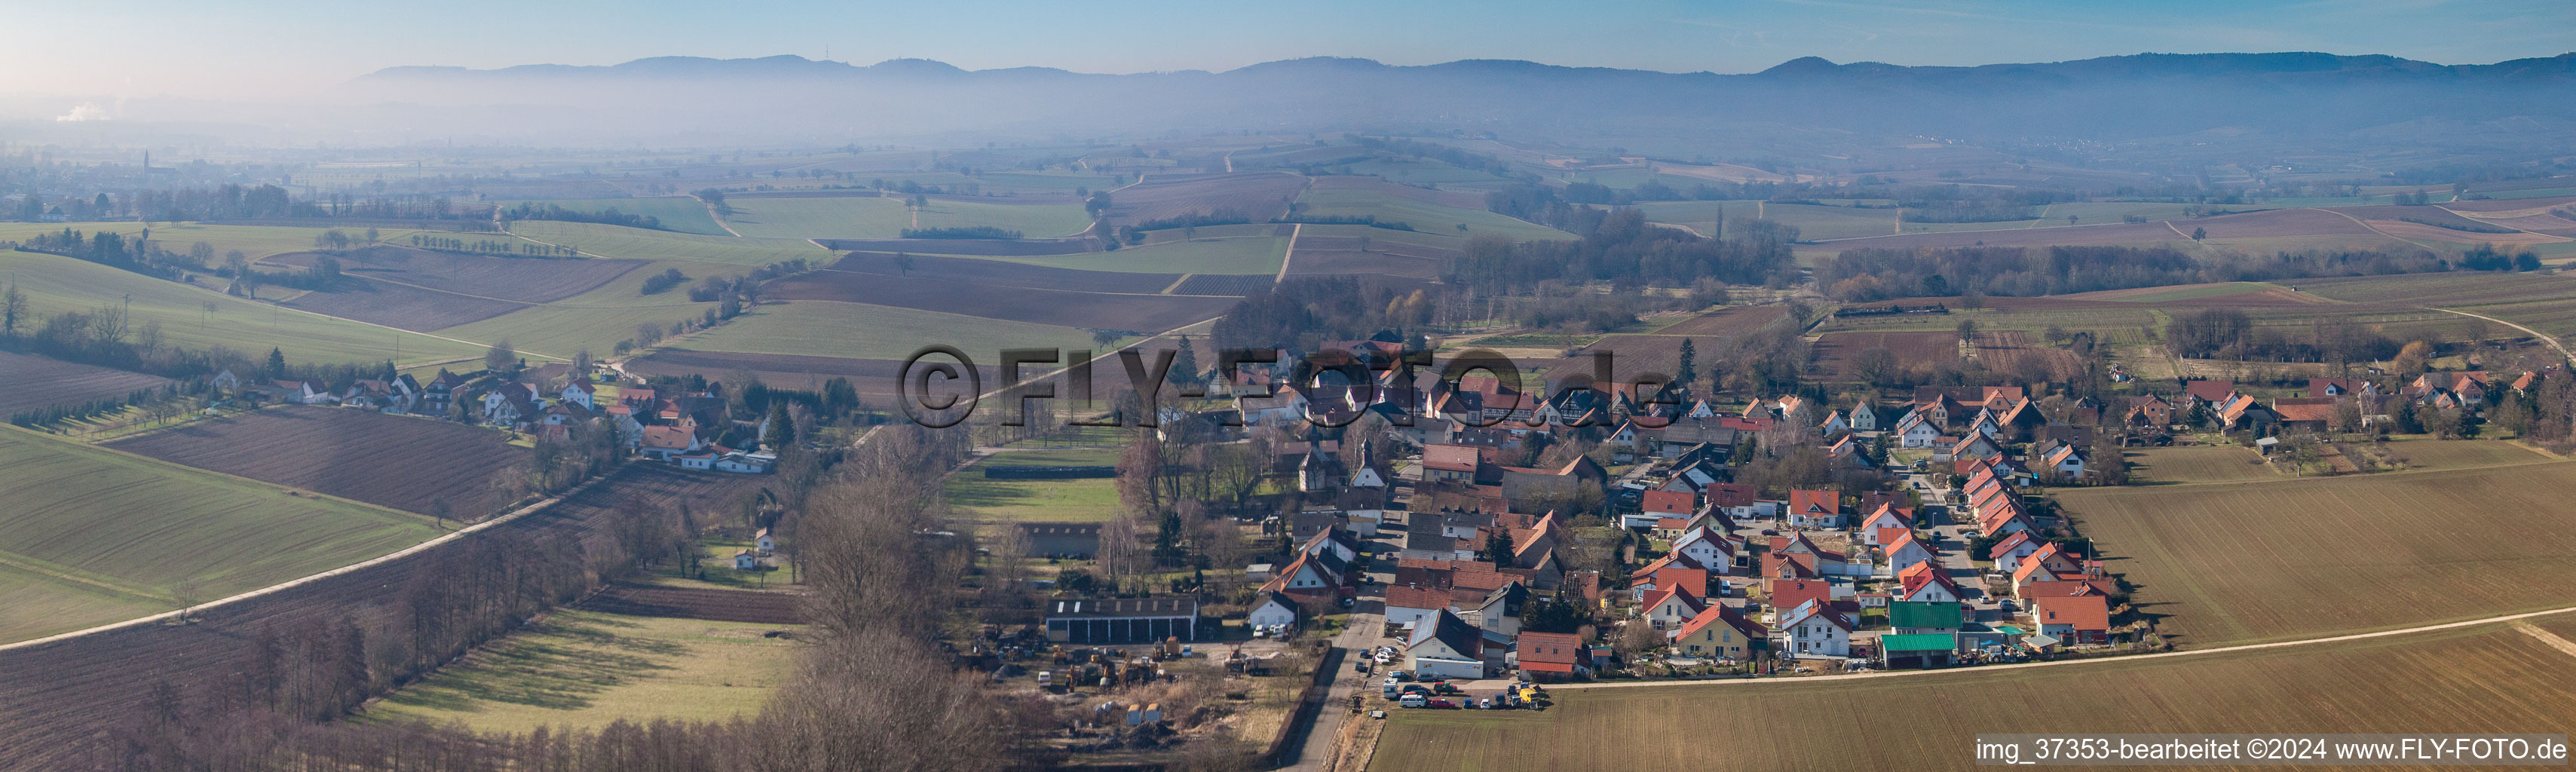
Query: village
1467	544
674	424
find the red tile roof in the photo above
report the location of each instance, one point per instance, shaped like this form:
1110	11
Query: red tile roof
1416	597
1813	501
2084	612
1450	458
1682	502
1786	595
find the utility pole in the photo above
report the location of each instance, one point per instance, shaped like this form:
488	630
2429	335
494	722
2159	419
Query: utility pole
125	318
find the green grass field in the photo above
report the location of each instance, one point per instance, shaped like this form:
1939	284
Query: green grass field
2489	678
642	244
586	669
679	213
1009	501
1250	255
56	284
255	241
863	331
2253	560
90	535
1429	218
872	217
1831	222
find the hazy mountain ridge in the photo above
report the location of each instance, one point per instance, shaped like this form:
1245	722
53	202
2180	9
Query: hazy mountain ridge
2310	98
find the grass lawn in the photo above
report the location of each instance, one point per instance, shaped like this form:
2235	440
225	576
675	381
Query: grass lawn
2259	559
1007	501
90	535
2446	681
1431	218
586	669
873	217
56	284
679	213
864	331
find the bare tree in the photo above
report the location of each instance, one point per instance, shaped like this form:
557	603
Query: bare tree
187	593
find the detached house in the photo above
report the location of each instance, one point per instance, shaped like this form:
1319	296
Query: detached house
1719	631
2081	619
1445	646
1815	509
1812	630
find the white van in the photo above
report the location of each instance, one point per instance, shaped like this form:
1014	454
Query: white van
1411	701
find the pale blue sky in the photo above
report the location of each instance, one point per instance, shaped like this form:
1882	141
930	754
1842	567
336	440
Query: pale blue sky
144	47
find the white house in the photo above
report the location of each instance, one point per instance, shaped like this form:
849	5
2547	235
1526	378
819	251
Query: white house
699	460
1414	604
1810	630
765	542
1670	606
1913	431
1445	646
1707	549
745	463
1834	424
1864	418
580	392
1907	550
745	560
1274	609
1884	517
2009	552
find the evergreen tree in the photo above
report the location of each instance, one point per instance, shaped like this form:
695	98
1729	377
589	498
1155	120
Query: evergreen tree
782	428
276	364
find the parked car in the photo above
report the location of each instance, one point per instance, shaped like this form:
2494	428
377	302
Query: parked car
1360	666
1412	701
1400	675
1445	688
1439	703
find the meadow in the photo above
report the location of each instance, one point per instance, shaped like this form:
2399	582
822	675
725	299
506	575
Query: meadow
679	213
1421	216
254	241
875	217
85	523
643	244
988	501
1929	721
2252	560
585	669
197	318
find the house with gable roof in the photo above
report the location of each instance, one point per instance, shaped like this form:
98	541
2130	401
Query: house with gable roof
1445	646
1813	630
1815	508
1885	516
1719	631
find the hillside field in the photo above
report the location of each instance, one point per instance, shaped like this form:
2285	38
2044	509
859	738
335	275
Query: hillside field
2257	560
2485	678
1430	218
400	462
643	244
876	217
582	668
679	213
85	524
57	284
28	382
862	331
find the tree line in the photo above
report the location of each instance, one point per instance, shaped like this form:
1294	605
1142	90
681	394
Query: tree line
1865	275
